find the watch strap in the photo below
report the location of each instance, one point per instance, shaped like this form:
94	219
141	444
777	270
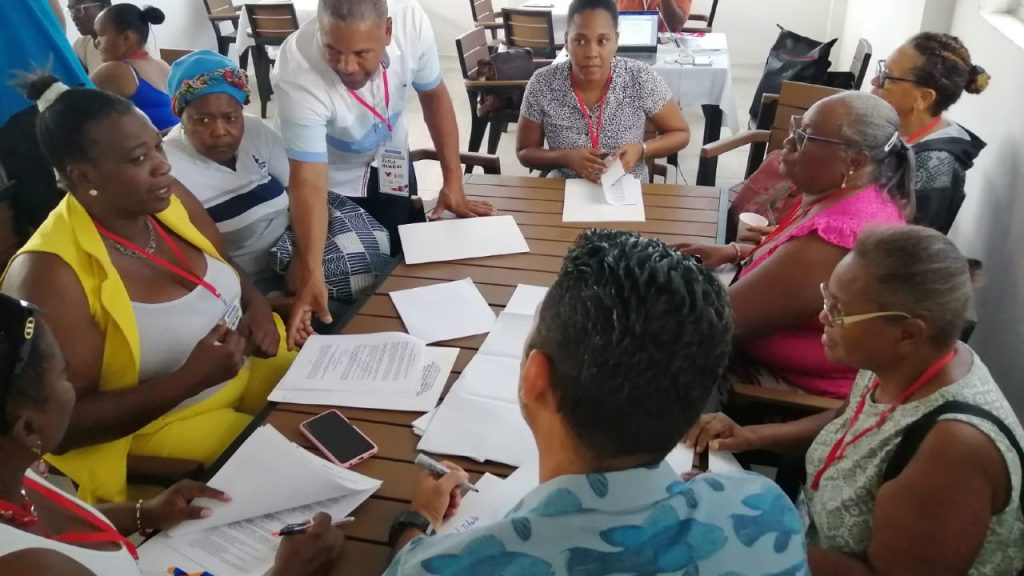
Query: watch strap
404	521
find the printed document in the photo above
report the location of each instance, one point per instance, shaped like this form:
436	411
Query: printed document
461	238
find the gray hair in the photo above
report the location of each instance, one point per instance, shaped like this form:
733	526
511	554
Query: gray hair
354	10
918	271
870	124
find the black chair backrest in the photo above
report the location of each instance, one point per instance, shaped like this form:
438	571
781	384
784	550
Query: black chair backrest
471	48
861	60
271	23
711	15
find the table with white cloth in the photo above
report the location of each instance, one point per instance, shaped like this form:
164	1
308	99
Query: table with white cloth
305	10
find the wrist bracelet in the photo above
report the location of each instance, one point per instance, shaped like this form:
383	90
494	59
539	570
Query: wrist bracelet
739	255
138	515
643	155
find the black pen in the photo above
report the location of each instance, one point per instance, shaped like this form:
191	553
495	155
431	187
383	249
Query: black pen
700	460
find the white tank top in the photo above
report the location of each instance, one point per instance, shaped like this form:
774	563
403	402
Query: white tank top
114	563
169	331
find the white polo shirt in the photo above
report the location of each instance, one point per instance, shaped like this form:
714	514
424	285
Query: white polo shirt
321	122
249	204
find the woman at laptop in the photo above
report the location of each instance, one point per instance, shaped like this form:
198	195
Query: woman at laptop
596	105
673	14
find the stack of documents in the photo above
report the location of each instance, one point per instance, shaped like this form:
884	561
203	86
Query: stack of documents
619	201
486	395
387	371
461	238
272	482
444	311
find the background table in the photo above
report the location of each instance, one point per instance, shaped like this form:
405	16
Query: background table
674	214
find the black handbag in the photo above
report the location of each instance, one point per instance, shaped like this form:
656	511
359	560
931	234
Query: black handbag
796	58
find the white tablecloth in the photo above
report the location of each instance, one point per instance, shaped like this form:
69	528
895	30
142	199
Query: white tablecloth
698	85
305	10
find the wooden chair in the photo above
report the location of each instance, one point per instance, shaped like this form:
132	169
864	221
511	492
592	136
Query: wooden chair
219	11
708	20
772	128
472	48
489	163
532	29
269	25
171	55
485	17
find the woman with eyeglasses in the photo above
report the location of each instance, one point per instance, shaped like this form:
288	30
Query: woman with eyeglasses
170	347
45	531
919	472
921	79
846	159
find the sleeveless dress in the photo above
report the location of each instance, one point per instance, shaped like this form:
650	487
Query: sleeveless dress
154	103
796	355
113	562
840	512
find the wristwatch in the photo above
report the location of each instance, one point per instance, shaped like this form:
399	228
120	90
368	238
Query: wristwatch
404	521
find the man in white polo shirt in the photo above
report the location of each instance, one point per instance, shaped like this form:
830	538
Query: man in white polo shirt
341	83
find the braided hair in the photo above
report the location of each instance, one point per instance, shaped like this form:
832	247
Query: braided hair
946	68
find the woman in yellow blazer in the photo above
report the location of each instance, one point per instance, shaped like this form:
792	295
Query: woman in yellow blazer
156	325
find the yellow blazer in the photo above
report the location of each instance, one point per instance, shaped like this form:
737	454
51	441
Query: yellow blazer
69	233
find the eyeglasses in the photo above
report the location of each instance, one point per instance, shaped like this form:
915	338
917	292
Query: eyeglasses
17	326
80	9
834	318
882	76
800	137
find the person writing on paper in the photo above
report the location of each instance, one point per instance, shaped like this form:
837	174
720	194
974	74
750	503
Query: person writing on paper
341	84
846	158
154	322
595	104
605	412
43	530
947	503
129	70
674	13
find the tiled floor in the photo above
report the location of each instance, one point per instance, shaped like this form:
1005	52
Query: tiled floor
731	166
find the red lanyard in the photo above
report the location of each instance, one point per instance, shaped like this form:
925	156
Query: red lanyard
789	219
107	532
182	272
839	448
920	133
374	111
595	131
139	55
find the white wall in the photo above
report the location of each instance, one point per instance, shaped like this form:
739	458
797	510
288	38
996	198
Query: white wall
991	223
885	23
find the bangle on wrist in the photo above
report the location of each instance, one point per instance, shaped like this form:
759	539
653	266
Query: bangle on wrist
739	255
643	155
138	515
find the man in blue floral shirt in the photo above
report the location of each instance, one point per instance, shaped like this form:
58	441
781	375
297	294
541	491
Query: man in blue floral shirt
629	343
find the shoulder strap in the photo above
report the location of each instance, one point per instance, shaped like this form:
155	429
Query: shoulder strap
918	429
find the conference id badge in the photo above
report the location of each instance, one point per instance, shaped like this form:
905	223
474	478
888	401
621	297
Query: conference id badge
393	170
233	316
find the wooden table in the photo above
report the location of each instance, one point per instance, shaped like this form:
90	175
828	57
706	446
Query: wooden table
674	214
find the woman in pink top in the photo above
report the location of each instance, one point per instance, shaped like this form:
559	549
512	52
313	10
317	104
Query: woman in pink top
846	157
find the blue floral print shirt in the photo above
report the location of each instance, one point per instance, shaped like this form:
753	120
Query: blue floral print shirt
636	521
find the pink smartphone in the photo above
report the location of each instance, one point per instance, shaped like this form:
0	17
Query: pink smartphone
340	441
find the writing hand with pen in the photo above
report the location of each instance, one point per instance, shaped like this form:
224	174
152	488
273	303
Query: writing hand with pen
438	498
309	550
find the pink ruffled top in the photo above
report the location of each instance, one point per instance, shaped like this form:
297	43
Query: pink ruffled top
796	355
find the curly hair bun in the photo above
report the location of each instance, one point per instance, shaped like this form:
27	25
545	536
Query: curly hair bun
977	80
153	15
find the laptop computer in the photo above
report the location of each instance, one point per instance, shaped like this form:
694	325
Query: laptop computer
638	36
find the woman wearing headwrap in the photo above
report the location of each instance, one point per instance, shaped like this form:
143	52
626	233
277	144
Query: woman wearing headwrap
237	167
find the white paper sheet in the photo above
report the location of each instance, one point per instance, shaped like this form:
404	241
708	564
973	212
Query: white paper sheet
387	361
269	457
461	238
244	548
508	337
437	365
585	202
526	299
420	425
681	460
494	501
444	311
458	424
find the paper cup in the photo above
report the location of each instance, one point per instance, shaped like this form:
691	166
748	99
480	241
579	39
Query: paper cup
747	220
